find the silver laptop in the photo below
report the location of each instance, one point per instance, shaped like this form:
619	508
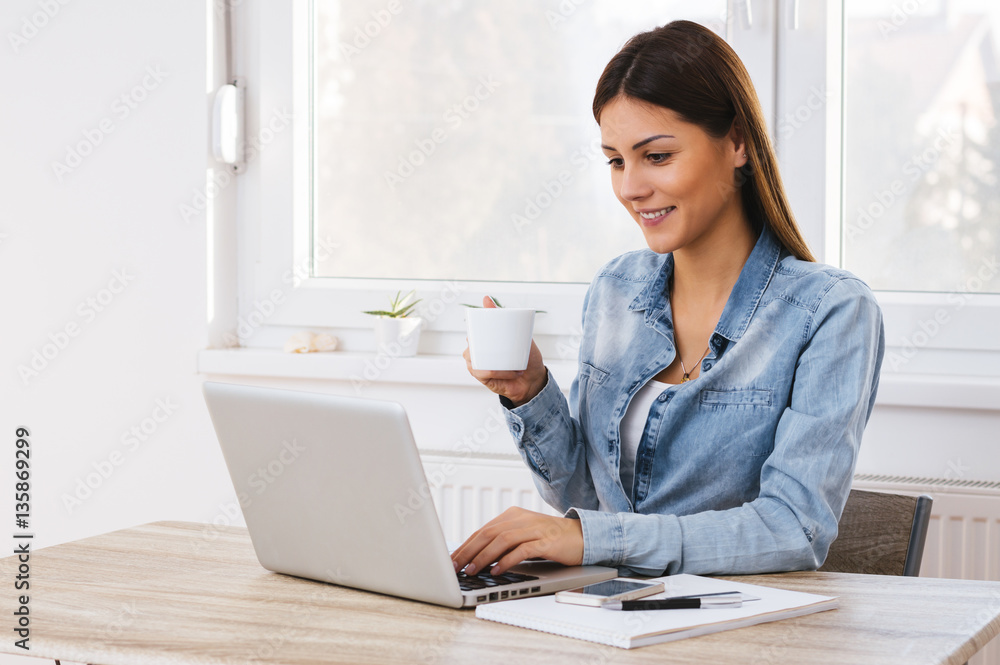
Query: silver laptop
332	489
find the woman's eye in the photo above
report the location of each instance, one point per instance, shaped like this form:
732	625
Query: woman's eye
616	162
659	157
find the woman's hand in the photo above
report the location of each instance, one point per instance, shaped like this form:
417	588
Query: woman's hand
518	534
519	387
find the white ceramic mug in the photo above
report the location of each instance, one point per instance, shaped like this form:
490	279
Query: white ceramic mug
500	337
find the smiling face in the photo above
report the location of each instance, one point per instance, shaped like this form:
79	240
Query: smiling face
676	180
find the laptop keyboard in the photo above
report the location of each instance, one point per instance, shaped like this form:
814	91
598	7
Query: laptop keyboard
485	581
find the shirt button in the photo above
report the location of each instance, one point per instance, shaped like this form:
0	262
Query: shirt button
663	397
707	366
516	428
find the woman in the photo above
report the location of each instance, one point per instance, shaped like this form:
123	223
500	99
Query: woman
725	378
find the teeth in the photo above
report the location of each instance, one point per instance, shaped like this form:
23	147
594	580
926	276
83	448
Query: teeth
654	215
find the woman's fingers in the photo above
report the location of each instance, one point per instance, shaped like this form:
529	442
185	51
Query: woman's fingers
475	545
525	550
463	553
484	375
510	384
518	534
503	549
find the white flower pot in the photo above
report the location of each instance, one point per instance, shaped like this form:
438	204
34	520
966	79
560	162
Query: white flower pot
397	337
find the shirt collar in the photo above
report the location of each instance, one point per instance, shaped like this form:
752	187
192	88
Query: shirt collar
743	299
749	288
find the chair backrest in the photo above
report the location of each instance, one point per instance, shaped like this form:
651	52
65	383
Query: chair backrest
880	534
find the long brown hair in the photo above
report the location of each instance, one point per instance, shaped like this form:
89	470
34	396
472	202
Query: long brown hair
692	71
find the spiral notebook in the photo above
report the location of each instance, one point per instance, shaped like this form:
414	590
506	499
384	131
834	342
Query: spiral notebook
637	629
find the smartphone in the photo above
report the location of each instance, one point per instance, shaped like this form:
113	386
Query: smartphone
607	591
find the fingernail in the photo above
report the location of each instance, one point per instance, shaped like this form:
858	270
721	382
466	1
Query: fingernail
493	571
455	564
470	569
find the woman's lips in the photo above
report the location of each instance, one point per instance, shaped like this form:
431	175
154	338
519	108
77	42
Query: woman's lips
654	217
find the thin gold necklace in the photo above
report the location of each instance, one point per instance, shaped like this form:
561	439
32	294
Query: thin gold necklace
687	374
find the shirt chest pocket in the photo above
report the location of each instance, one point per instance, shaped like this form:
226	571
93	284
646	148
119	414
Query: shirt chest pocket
750	398
743	416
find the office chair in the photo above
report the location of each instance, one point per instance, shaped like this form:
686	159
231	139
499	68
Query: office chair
880	534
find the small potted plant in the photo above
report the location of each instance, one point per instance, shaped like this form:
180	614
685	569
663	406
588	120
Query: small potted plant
397	332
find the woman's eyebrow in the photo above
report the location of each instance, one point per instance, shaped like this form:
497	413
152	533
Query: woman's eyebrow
642	142
651	138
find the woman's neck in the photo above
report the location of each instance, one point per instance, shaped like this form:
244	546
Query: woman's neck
706	270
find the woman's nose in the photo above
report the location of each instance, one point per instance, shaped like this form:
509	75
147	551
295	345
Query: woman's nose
634	185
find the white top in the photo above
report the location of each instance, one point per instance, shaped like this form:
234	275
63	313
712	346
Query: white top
633	423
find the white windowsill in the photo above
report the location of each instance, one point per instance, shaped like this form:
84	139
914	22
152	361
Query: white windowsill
939	391
907	390
345	366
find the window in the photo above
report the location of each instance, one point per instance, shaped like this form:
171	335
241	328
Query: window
922	145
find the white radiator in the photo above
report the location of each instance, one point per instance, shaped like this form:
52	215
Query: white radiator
963	540
470	491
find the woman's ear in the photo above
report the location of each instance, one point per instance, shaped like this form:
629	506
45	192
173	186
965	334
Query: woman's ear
738	143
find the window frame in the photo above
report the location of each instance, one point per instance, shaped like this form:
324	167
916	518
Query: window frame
787	62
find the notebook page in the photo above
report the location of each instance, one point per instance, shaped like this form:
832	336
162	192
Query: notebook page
629	629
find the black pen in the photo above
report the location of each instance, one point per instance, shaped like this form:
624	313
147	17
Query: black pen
721	601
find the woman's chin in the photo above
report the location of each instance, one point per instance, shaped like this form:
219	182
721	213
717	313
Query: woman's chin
662	245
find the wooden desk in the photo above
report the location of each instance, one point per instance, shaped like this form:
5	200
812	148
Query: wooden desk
166	593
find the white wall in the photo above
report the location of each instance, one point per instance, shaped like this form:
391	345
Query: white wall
62	242
117	210
956	444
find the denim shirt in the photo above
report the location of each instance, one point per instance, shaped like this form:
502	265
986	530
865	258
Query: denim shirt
744	469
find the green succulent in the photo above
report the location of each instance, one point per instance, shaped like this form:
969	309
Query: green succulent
399	307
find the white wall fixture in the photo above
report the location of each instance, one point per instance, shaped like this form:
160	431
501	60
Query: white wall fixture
227	125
